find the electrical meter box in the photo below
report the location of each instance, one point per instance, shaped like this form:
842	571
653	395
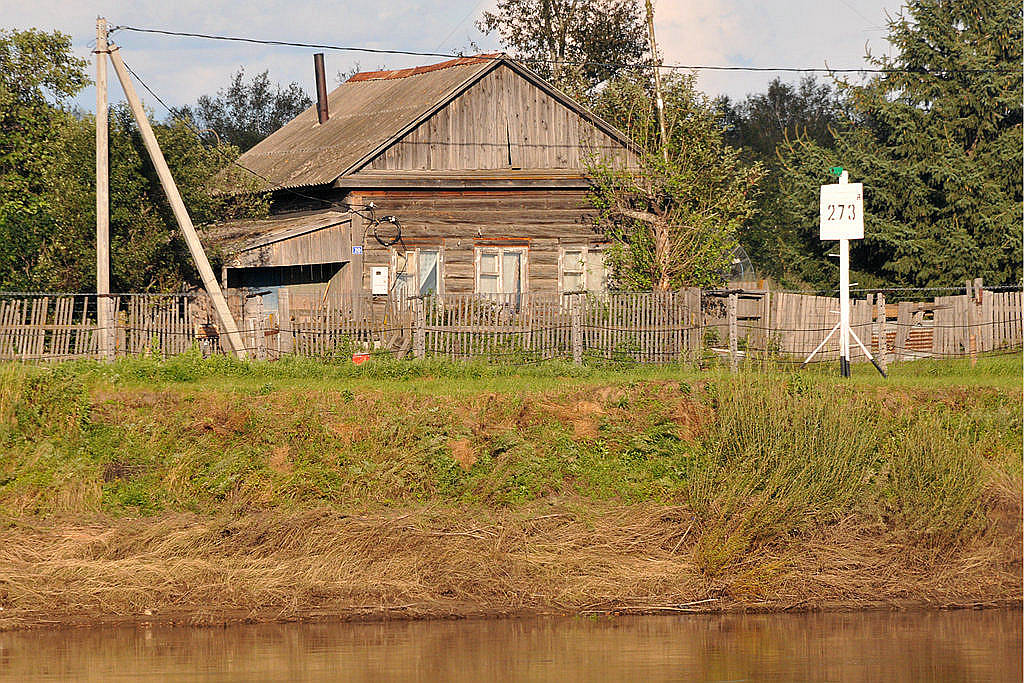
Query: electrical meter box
379	280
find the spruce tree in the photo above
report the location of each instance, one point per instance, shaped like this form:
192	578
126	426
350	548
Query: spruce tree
936	139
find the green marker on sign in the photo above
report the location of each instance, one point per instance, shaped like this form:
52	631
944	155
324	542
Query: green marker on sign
836	171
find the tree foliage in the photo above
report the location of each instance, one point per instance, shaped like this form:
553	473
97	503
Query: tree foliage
785	111
758	124
672	223
38	74
247	111
147	251
555	37
48	181
937	142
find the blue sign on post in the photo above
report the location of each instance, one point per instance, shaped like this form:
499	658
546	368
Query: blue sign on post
357	249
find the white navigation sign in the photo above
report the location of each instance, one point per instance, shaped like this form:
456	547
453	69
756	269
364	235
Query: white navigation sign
842	211
842	218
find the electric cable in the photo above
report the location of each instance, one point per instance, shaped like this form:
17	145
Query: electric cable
347	207
613	65
387	237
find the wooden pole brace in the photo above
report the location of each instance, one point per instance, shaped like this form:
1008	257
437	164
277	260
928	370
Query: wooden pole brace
220	304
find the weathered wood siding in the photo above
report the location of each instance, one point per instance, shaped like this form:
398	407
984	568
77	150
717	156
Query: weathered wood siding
456	222
503	121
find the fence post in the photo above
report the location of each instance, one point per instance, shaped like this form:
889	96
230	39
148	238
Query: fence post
696	335
733	333
419	334
285	333
981	321
576	316
972	315
882	340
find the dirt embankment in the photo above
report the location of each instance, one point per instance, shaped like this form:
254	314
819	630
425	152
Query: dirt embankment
279	502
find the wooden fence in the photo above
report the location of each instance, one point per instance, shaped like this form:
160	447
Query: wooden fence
646	326
791	325
649	327
64	326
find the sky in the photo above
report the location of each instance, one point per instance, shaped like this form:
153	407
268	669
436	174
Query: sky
781	33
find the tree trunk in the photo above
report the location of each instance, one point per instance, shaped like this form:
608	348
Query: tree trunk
663	282
549	30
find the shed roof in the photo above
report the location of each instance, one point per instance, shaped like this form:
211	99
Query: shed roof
241	235
368	113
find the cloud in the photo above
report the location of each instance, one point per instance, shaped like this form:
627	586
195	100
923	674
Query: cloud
783	33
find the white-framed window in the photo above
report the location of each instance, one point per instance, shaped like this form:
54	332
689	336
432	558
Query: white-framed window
501	270
417	272
581	269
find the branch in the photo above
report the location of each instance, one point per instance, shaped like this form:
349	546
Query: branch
643	216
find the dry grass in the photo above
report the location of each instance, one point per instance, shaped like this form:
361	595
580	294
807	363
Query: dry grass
444	562
331	500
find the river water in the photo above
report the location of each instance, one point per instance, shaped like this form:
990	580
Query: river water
873	646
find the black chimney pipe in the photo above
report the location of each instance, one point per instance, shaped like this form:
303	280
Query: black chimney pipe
321	88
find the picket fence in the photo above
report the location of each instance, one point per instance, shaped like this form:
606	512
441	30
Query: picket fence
647	327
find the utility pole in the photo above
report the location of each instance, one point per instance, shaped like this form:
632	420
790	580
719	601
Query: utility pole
178	207
104	314
659	103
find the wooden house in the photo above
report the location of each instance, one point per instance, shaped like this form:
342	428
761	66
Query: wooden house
477	162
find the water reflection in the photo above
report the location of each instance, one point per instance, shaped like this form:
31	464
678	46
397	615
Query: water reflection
933	646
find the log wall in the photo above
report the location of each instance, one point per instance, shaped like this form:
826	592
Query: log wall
458	221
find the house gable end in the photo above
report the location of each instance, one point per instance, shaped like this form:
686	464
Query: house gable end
504	119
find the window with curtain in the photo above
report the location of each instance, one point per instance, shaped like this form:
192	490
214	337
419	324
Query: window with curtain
417	272
428	277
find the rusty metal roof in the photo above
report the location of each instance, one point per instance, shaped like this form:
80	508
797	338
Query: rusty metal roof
402	73
366	112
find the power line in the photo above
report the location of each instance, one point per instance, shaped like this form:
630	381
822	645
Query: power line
459	24
859	14
681	67
346	206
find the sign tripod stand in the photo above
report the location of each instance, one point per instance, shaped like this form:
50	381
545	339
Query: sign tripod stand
842	218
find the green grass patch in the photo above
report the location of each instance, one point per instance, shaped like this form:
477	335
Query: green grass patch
755	457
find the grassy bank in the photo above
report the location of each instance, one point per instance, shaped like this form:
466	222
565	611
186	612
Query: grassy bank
209	490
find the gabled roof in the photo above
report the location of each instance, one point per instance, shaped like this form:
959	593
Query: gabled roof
371	111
